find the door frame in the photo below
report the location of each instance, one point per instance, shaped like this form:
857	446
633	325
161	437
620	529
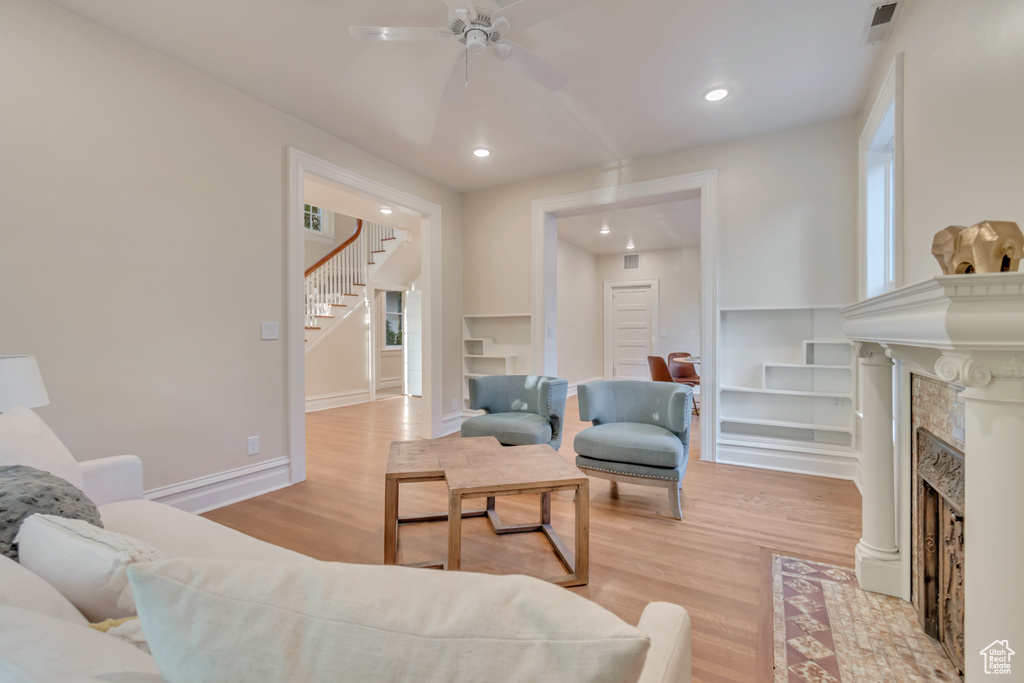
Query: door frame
609	287
545	286
299	164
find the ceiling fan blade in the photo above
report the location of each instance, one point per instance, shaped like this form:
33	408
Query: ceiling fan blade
399	33
466	5
525	13
545	73
460	76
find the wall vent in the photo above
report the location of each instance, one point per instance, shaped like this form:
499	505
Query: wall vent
631	261
881	19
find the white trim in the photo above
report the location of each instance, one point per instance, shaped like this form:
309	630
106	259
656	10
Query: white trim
338	399
834	466
299	164
331	327
390	382
655	286
545	250
574	386
217	490
890	93
451	423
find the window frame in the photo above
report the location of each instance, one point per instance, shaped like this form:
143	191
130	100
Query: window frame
326	233
385	313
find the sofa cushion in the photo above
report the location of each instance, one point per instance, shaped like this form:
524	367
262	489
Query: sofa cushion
244	621
36	647
27	491
88	565
510	429
21	588
176	533
26	440
633	442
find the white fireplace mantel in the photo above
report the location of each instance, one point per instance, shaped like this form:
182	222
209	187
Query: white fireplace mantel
966	329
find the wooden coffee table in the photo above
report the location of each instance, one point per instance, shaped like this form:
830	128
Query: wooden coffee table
483	468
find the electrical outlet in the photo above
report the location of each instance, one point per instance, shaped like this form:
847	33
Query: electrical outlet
455	404
254	445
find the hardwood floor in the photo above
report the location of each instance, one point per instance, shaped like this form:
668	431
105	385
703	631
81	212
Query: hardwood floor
712	562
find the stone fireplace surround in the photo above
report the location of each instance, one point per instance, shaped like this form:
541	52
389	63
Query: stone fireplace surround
968	330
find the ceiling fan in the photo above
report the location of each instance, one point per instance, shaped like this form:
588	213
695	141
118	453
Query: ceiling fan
480	28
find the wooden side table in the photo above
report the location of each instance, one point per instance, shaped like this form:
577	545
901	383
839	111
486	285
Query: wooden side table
482	468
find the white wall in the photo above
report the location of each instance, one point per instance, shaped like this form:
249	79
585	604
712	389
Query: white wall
787	219
340	363
678	275
963	108
142	218
580	343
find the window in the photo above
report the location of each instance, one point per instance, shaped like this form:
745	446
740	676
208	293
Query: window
392	320
312	216
880	209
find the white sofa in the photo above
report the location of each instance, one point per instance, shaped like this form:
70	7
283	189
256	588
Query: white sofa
115	485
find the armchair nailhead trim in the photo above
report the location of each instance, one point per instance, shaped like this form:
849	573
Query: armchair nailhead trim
626	474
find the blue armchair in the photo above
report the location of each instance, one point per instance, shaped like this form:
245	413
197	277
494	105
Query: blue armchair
521	410
640	434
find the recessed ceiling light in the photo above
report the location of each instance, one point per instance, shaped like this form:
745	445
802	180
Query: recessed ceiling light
716	94
385	210
630	246
605	230
481	152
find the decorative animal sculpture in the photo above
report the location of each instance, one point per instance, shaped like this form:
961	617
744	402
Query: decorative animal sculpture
986	247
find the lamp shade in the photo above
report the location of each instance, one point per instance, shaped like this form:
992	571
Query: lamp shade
20	383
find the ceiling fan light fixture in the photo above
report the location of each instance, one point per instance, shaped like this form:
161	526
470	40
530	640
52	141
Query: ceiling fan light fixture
385	210
481	152
716	94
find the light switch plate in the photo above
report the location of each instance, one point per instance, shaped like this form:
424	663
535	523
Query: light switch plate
269	330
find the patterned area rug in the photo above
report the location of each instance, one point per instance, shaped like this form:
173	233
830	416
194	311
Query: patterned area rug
827	630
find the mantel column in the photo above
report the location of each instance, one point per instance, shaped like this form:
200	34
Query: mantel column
993	503
878	559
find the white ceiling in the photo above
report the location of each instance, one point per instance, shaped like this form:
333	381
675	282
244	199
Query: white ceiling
638	70
670	225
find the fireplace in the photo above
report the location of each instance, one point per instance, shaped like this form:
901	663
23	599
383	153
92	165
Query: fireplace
967	330
937	589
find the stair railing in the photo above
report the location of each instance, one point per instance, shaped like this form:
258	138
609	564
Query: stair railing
335	276
378	235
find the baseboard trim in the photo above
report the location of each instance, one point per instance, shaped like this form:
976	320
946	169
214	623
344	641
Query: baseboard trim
217	490
451	423
574	385
834	466
337	400
391	383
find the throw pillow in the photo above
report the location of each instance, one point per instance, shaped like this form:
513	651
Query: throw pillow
26	440
88	565
36	647
25	491
210	620
21	588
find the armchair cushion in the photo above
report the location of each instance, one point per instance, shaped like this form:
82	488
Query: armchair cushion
511	429
664	404
641	444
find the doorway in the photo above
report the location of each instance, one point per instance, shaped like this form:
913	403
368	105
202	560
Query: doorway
300	166
631	316
546	214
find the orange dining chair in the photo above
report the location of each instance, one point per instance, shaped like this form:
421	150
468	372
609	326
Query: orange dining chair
684	373
659	369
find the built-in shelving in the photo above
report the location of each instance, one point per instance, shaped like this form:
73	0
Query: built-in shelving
786	380
494	344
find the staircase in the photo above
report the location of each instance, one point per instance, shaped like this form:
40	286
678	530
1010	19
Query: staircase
336	284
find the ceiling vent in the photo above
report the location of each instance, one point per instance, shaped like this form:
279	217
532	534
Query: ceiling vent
631	261
881	19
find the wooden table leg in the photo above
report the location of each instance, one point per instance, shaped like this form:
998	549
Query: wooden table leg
454	531
583	532
390	521
545	507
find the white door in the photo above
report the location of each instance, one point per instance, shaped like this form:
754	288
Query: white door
631	332
414	343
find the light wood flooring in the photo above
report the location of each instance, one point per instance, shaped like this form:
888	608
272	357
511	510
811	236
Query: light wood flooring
713	562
